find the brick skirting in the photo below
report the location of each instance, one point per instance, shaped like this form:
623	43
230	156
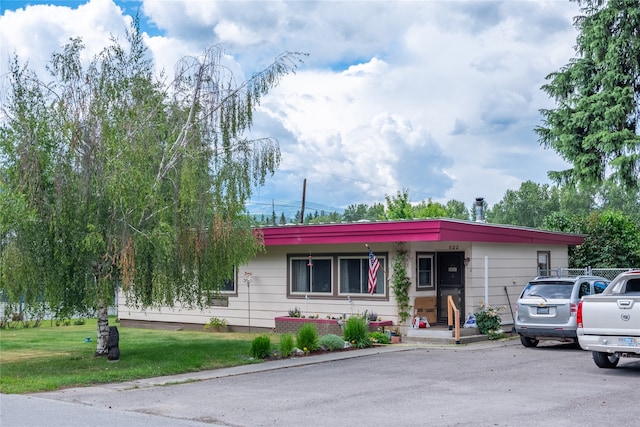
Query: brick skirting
291	325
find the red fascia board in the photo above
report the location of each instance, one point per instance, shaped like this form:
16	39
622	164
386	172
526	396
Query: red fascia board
412	231
344	233
491	233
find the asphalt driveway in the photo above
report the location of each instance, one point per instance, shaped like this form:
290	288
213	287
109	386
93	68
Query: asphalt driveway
483	384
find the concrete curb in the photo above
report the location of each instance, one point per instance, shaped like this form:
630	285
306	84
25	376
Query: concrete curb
271	366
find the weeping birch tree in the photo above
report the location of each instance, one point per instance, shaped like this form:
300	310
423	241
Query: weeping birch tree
130	182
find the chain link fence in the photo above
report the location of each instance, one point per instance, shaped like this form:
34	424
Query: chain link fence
607	273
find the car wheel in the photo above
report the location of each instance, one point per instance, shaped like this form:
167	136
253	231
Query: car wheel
528	342
605	360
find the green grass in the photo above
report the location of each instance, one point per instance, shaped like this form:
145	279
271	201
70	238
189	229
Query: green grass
51	357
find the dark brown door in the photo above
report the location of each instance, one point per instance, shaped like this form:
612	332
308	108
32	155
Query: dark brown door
450	279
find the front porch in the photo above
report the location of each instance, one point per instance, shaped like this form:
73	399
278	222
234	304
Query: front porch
440	334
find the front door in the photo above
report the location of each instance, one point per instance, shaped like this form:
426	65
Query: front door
450	277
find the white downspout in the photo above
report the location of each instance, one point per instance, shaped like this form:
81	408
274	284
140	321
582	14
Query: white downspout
486	280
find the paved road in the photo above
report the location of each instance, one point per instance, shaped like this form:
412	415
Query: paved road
484	384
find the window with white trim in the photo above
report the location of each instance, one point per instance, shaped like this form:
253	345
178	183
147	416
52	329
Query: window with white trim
228	287
424	265
311	275
220	298
354	275
544	263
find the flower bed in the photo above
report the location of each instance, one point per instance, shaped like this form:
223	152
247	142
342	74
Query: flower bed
374	326
291	325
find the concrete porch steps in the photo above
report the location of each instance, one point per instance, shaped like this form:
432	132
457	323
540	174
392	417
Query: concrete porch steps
440	334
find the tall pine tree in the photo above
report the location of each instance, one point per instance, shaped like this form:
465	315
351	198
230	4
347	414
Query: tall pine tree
595	125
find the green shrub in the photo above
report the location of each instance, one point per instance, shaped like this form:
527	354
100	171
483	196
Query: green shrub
261	347
488	321
286	345
216	323
331	342
307	337
356	332
379	337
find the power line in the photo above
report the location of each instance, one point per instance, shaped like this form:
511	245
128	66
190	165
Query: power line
358	180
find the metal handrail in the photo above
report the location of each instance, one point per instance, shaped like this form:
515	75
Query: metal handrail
452	309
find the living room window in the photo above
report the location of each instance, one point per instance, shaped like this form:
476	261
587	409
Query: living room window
354	275
311	275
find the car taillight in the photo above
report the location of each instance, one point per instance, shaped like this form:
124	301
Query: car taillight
574	309
579	314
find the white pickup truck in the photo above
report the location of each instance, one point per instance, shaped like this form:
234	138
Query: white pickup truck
609	323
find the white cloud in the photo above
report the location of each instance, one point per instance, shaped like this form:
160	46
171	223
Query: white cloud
439	97
36	32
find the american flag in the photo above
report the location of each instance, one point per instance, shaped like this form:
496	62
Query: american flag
374	265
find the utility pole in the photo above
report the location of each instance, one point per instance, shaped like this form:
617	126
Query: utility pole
304	192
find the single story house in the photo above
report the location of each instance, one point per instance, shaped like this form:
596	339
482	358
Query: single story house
323	270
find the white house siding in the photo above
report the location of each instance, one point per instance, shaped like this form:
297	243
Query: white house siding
510	266
253	306
414	248
266	297
323	307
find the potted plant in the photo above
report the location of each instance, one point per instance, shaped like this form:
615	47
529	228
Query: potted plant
395	336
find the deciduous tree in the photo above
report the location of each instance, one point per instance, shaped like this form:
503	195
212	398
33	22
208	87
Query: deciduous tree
612	240
131	182
528	206
429	209
398	207
456	209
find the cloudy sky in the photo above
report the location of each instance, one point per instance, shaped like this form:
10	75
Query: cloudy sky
436	97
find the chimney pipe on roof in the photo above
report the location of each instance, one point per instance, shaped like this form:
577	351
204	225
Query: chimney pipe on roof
480	209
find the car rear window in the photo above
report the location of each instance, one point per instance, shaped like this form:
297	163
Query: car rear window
548	290
633	286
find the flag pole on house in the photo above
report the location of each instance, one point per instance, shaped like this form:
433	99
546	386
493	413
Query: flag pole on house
374	266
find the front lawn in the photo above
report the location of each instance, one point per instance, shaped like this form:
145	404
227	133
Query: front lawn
51	357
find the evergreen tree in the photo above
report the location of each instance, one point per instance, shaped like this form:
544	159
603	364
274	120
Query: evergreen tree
595	123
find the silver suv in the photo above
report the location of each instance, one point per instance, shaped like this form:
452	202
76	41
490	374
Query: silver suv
547	307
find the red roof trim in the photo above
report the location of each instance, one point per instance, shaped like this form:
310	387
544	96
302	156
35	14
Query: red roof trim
428	230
